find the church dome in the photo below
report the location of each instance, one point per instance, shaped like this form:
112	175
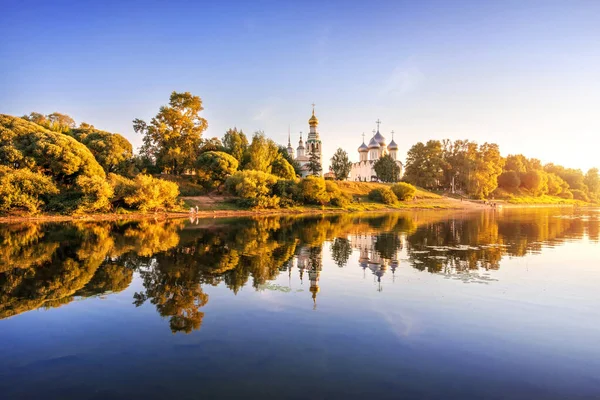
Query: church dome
363	147
313	121
379	138
373	143
392	145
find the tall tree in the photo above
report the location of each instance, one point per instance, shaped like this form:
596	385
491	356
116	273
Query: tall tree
340	164
424	164
235	143
314	164
284	154
386	169
172	138
261	154
592	181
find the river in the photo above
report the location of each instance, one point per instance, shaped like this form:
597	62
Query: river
491	304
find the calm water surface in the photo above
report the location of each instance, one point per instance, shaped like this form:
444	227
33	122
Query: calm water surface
491	305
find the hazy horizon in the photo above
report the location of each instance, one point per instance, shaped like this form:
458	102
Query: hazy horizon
524	75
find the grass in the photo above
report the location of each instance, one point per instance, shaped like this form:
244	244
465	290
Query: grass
363	189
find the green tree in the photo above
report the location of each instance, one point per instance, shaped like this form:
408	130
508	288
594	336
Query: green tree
386	169
255	188
212	144
535	181
314	164
424	164
340	164
56	122
172	138
314	190
235	143
284	153
592	181
262	152
488	167
22	189
150	193
282	168
509	180
112	151
214	167
556	185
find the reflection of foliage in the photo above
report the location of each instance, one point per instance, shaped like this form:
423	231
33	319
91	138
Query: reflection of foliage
109	278
48	265
21	246
341	250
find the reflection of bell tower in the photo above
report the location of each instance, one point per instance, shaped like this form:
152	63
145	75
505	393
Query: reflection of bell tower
314	272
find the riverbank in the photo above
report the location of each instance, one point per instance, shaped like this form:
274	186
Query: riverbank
216	207
221	207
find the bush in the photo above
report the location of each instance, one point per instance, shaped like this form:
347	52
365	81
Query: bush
336	196
95	193
314	190
580	195
214	167
122	187
255	188
289	192
152	194
383	195
404	191
24	189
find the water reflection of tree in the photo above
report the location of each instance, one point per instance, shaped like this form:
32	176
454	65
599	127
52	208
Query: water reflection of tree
47	265
341	249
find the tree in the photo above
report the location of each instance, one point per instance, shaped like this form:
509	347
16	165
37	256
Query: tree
509	180
592	181
488	167
314	190
424	164
284	153
150	193
235	143
556	185
212	144
172	139
214	167
386	169
255	188
340	164
24	189
282	168
56	122
535	181
314	164
112	151
261	153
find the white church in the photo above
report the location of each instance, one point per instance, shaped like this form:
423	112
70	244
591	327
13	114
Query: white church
313	146
363	170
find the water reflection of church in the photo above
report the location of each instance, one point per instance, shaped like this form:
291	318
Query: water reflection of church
373	258
309	260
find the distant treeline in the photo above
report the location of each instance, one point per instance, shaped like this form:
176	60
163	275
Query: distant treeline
480	171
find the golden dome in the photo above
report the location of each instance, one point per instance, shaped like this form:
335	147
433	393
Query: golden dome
313	120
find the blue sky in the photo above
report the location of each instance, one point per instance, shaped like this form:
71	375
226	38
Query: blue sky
523	74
